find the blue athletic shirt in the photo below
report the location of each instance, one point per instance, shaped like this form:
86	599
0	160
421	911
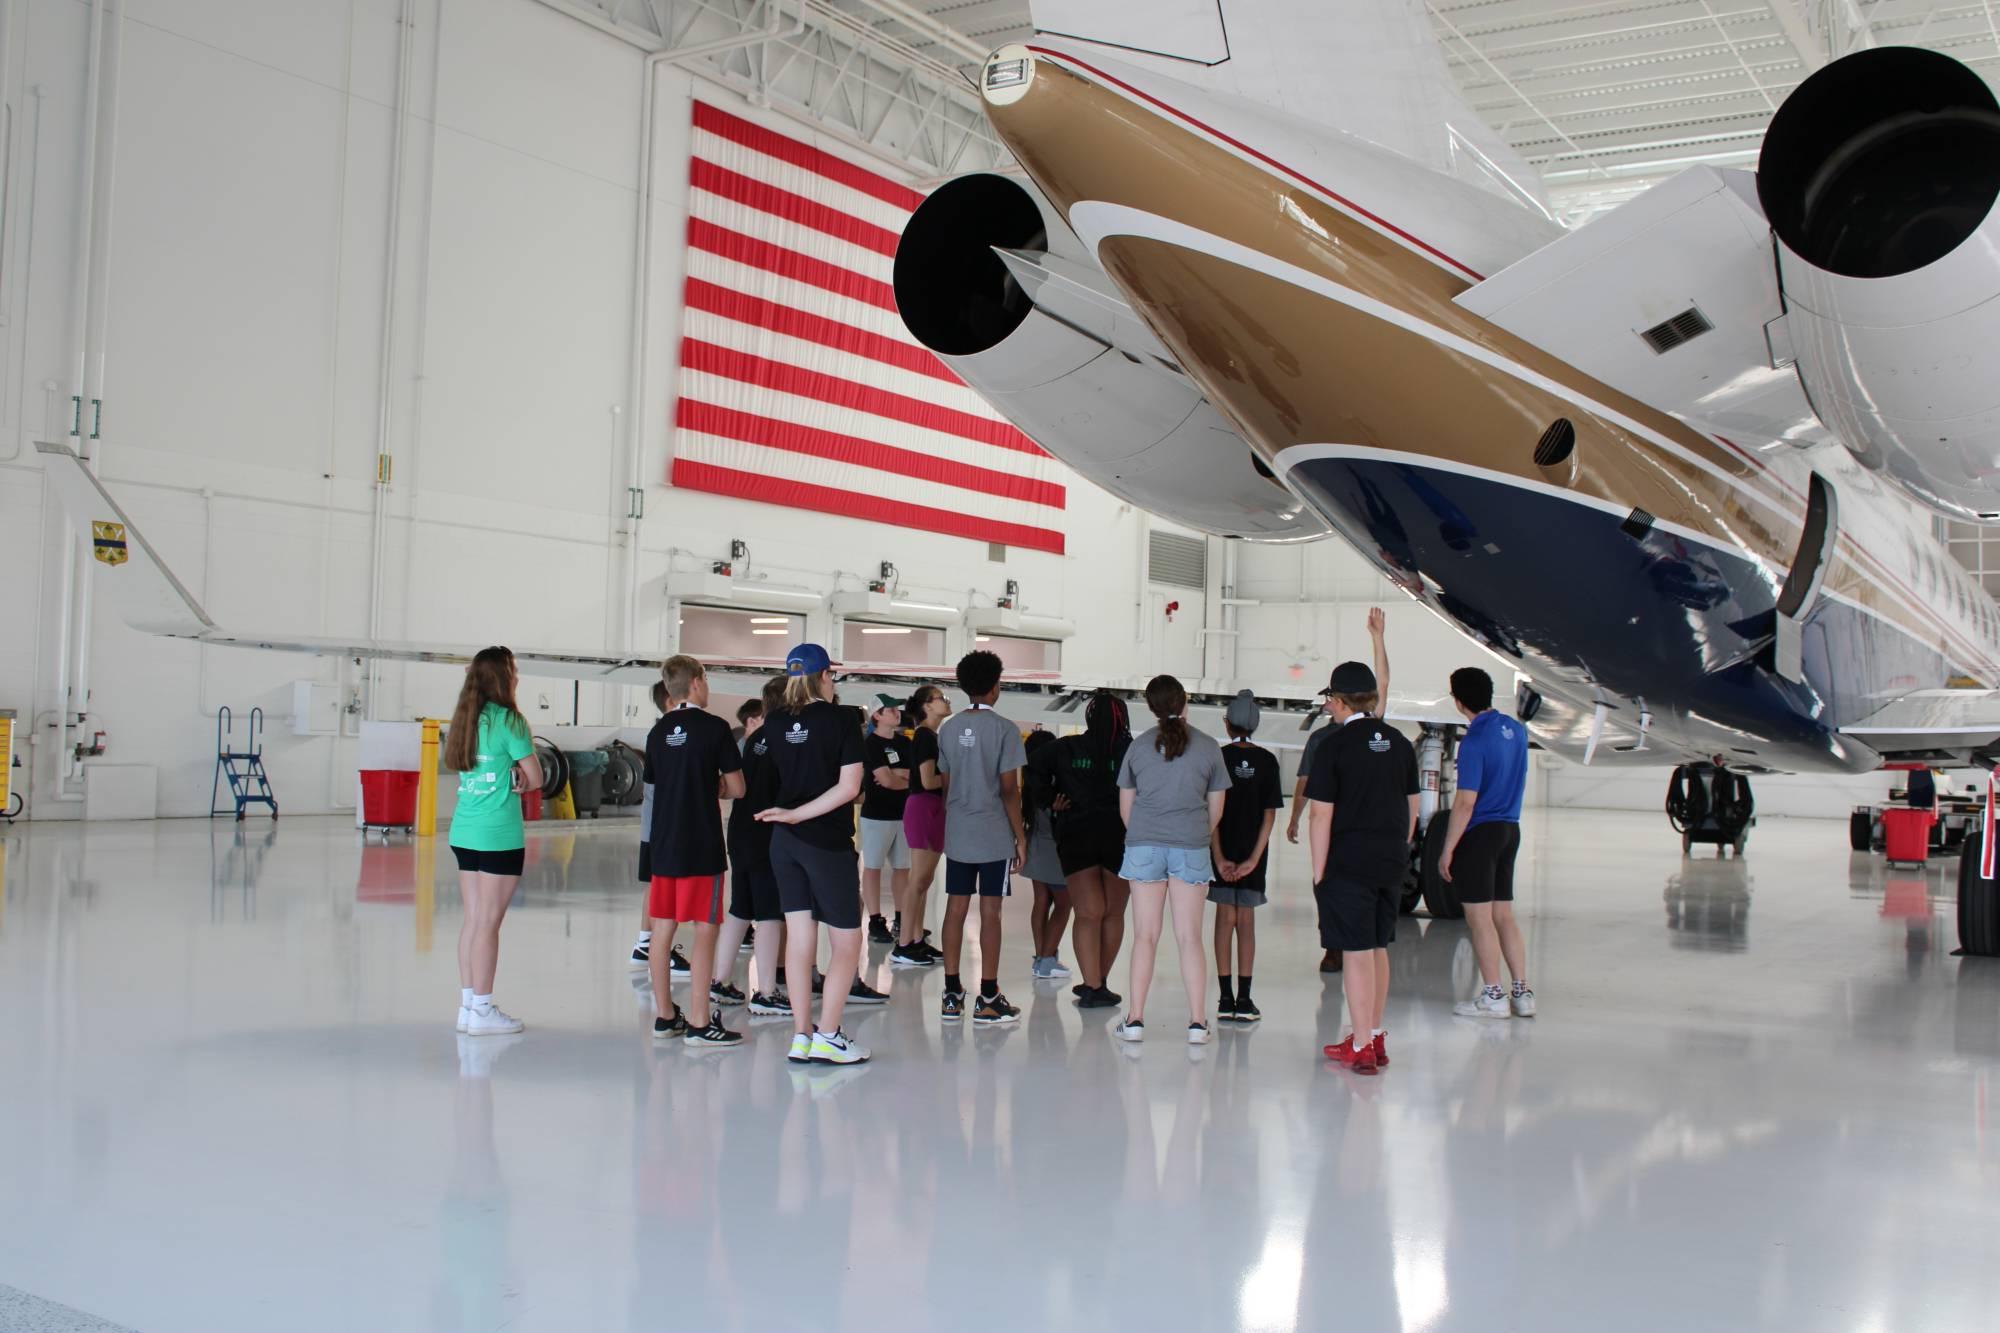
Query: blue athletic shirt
1493	761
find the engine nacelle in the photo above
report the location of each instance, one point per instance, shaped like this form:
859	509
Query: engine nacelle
1879	175
1092	387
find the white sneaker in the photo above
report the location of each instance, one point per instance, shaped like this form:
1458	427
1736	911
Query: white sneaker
1483	1005
490	1021
836	1048
1131	1029
1197	1034
464	1015
1056	968
1524	1004
801	1052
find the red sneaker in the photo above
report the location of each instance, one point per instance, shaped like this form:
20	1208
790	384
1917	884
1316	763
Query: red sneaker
1343	1053
1382	1049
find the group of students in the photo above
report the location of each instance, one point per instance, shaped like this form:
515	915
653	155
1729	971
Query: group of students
1101	821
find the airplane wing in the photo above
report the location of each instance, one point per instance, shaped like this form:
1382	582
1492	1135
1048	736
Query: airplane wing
1950	724
1672	298
152	600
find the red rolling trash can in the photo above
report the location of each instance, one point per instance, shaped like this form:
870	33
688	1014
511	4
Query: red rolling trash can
388	798
531	804
1906	834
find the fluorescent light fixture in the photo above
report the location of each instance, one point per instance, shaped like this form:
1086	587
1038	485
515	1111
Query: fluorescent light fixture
899	629
770	620
926	606
983	638
770	631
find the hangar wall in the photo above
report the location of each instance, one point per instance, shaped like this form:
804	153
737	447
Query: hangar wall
253	268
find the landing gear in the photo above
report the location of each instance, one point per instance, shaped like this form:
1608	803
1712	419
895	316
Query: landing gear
1439	896
1861	829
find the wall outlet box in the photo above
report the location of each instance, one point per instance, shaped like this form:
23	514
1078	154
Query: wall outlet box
315	708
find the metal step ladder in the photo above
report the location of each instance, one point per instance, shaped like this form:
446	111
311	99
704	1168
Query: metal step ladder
243	769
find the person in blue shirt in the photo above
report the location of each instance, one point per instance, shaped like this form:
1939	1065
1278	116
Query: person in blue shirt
1481	841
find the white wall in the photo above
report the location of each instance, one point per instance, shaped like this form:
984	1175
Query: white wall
250	245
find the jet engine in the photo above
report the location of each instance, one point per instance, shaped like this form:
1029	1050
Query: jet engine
991	279
1879	176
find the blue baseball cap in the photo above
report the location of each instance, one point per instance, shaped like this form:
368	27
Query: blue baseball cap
808	659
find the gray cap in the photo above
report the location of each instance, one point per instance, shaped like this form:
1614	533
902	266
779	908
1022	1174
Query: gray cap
1243	713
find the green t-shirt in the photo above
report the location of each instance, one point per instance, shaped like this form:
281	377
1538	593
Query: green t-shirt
488	817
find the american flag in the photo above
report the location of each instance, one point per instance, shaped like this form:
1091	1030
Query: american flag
799	385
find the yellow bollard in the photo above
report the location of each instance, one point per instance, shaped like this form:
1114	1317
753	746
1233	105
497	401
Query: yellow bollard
427	780
6	756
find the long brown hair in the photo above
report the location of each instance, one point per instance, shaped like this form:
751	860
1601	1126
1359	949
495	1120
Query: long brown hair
1167	698
488	680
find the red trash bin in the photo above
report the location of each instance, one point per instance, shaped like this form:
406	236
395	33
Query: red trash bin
531	803
388	798
1906	834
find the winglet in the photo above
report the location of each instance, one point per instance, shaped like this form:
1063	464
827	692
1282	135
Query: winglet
145	591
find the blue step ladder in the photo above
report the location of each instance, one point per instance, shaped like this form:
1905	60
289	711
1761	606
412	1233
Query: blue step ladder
243	769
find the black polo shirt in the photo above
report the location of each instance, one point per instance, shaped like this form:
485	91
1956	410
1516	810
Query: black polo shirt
809	748
1367	770
687	753
877	801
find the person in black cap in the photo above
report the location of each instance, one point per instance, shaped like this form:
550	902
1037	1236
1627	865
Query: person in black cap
1242	842
1363	791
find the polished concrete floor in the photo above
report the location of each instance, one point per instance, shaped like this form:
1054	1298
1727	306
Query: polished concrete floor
1759	1096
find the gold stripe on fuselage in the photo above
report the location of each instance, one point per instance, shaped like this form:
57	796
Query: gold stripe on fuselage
1289	366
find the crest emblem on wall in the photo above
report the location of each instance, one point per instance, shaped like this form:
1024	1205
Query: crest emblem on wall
107	543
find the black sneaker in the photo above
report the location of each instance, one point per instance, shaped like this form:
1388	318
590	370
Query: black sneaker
749	940
769	1006
1099	998
1225	1009
722	992
954	1006
863	993
713	1035
911	955
994	1010
931	951
664	1029
642	954
819	982
878	931
1080	989
1247	1010
677	962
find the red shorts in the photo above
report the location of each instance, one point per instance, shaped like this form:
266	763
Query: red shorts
685	898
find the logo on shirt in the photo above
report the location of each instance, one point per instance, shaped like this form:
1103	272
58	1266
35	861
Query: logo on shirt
760	747
1379	743
1246	769
1506	731
677	737
966	739
797	735
894	758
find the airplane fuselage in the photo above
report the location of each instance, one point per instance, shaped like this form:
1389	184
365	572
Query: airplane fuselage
1633	564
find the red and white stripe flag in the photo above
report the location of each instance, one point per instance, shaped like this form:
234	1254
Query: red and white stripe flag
799	385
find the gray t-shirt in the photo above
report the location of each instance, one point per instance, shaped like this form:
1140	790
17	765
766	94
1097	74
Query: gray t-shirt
976	747
1170	804
1313	739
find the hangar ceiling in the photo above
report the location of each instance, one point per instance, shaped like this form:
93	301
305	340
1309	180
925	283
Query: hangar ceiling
1604	97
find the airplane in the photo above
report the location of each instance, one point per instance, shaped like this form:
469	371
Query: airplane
1680	465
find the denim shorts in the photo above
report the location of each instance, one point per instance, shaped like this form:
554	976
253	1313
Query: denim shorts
1150	865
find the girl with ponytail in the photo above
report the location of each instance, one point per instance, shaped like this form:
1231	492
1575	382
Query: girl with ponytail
1171	790
1090	840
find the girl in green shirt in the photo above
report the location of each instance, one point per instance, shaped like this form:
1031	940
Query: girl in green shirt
489	748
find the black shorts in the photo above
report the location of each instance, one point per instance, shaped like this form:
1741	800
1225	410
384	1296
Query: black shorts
753	894
1482	867
1356	917
1091	848
645	863
989	879
510	862
825	881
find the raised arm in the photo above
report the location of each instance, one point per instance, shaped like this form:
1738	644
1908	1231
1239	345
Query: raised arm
1378	631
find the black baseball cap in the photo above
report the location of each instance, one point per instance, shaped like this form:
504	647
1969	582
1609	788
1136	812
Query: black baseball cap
1350	678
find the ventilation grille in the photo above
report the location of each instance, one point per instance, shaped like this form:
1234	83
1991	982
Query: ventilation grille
1671	333
1176	561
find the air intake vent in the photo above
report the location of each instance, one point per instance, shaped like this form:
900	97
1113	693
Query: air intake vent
1671	333
1176	561
1556	444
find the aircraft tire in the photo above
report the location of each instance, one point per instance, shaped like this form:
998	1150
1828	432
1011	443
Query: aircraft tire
1978	903
1439	897
1861	830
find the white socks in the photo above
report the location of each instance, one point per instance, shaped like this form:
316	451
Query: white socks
1377	1032
481	1001
645	937
465	997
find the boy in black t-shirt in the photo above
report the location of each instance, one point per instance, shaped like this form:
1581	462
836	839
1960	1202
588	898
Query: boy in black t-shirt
753	888
1240	844
692	763
885	787
1363	791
